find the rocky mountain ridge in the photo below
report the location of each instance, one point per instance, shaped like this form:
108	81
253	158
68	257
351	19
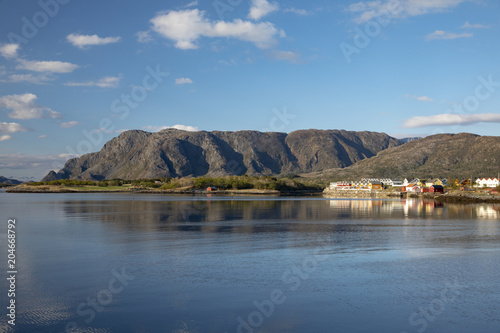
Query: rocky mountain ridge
174	153
460	155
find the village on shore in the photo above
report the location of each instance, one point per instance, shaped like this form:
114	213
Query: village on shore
437	185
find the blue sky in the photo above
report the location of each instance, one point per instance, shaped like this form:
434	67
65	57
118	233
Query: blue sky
74	74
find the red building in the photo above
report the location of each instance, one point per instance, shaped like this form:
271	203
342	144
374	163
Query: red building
436	189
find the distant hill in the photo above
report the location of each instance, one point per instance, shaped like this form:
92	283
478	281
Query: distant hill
174	153
443	155
406	140
8	181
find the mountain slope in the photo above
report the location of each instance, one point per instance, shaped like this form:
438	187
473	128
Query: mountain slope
8	181
443	155
174	153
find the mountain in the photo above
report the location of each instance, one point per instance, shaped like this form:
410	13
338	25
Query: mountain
443	155
173	153
8	181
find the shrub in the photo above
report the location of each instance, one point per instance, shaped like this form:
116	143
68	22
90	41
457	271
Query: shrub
170	186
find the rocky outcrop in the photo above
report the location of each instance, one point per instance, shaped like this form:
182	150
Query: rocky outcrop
174	153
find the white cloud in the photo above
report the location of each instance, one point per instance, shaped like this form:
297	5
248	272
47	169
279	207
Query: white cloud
30	78
286	55
421	98
261	8
144	36
187	26
367	10
9	50
47	66
183	80
297	11
451	119
153	128
24	107
467	25
69	124
43	136
82	41
103	130
22	161
9	128
192	4
105	82
440	34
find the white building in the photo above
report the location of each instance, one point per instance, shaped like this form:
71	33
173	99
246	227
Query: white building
397	182
487	182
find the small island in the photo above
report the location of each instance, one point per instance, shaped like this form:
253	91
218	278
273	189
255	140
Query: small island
257	185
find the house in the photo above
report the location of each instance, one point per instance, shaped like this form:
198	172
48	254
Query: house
436	189
376	186
490	182
343	185
410	188
416	189
417	182
386	182
435	181
465	182
397	182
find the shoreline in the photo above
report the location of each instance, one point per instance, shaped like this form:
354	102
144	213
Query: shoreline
448	197
66	189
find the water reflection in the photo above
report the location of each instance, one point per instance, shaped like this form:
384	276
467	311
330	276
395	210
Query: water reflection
226	215
199	263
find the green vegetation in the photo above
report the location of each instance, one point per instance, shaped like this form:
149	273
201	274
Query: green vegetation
258	183
66	182
291	183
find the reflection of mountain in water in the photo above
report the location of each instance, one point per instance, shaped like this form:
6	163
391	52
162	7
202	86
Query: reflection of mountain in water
226	215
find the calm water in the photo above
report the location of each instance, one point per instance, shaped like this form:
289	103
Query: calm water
119	263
